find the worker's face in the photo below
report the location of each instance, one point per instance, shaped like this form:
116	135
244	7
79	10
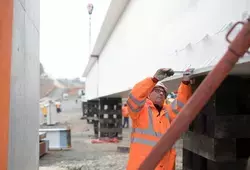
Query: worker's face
157	96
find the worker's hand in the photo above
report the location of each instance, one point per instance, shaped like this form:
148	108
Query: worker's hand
163	73
187	75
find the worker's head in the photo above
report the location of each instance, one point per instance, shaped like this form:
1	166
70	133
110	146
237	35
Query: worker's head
125	104
158	94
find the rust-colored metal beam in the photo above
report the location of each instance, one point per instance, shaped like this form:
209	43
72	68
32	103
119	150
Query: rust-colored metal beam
6	22
237	49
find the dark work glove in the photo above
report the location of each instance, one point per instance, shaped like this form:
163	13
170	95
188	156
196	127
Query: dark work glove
187	75
163	73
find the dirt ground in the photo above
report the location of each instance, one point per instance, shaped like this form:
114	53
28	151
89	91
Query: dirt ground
84	155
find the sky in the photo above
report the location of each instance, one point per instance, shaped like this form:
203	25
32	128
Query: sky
64	35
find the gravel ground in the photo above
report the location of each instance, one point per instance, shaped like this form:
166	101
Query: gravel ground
84	155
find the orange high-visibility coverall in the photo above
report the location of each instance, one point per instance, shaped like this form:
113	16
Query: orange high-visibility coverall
149	125
125	111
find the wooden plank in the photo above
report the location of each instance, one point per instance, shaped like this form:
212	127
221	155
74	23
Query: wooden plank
231	98
187	159
219	127
237	165
108	130
111	112
226	115
213	149
6	21
235	126
199	124
118	124
199	163
192	161
110	121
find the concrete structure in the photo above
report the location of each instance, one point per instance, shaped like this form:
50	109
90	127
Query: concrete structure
138	37
19	74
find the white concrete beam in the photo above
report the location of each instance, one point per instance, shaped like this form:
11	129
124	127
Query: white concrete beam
242	68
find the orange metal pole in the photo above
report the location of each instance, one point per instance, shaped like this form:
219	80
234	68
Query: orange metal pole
6	19
237	49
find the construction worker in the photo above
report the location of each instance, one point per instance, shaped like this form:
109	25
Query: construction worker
151	116
44	110
58	106
125	116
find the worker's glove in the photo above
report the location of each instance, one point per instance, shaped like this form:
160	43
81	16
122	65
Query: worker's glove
187	75
163	73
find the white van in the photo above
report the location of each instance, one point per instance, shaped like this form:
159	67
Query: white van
65	96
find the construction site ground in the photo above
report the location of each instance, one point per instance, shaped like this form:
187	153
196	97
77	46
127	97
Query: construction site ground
84	155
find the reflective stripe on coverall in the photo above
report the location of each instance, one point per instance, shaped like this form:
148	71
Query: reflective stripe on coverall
149	125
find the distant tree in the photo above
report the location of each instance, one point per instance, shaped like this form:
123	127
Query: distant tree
41	69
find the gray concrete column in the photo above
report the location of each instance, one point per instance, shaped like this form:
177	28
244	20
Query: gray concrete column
19	77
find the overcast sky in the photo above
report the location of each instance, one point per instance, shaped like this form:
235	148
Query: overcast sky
64	34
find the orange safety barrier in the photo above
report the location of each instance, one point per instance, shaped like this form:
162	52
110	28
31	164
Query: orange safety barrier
239	46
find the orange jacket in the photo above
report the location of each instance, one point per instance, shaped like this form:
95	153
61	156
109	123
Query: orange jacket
125	111
147	126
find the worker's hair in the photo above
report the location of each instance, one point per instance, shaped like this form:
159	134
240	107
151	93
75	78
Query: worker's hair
125	104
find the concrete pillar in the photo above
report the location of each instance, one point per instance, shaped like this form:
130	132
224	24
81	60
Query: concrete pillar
219	137
19	77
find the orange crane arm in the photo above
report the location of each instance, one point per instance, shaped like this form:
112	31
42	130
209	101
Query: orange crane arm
237	49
